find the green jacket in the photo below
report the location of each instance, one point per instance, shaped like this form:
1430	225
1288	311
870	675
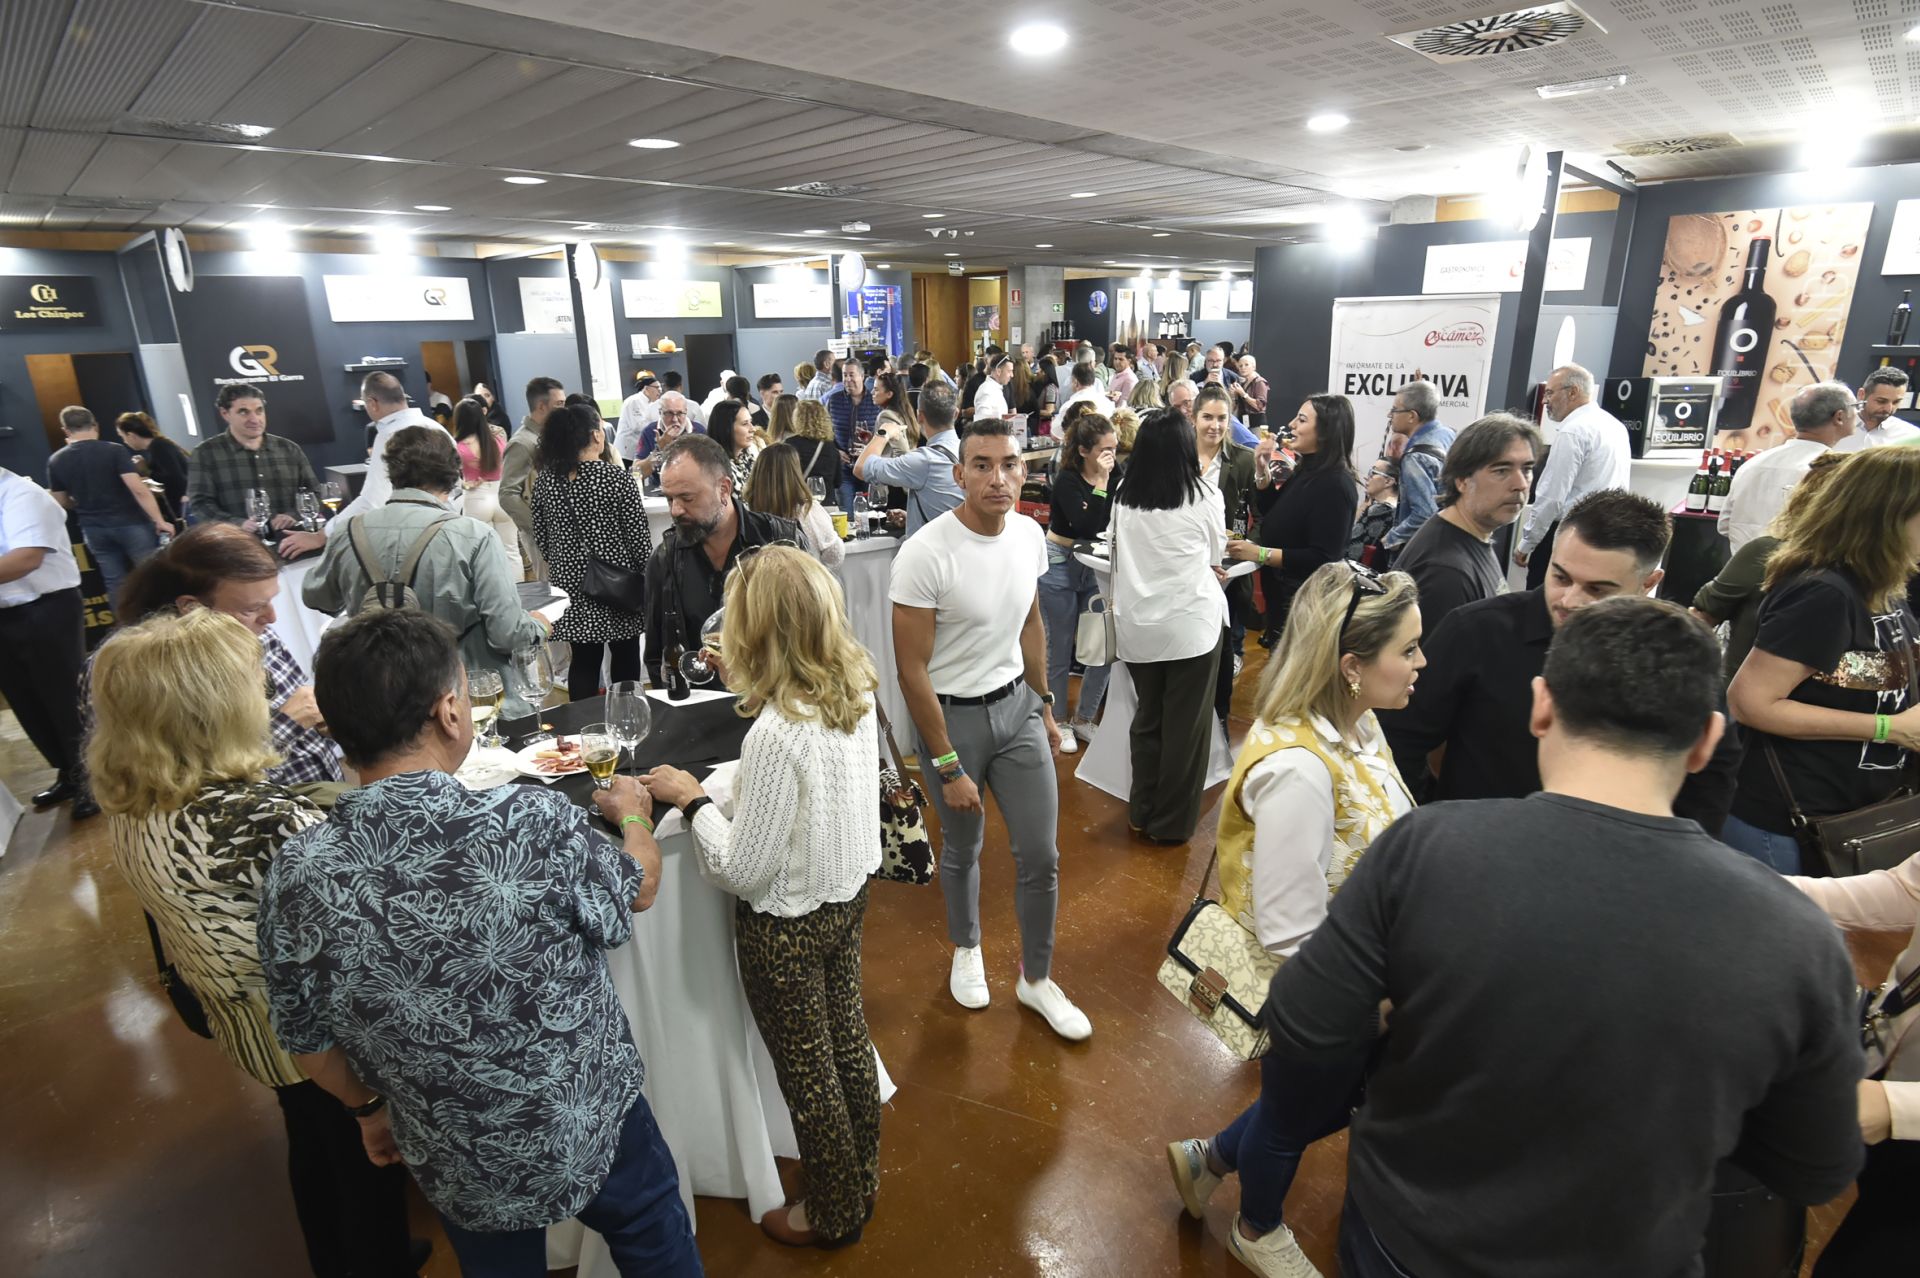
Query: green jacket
463	579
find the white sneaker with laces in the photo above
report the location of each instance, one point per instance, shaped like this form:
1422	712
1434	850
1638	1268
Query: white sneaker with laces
968	980
1084	729
1192	1175
1044	997
1069	744
1275	1255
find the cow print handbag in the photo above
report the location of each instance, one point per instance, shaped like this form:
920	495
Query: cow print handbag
906	853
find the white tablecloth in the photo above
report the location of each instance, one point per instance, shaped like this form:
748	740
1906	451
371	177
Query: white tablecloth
1108	761
866	574
10	814
298	626
709	1079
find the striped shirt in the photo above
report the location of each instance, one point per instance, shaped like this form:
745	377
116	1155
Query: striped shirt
198	872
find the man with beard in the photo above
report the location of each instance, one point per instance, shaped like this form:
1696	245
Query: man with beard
1880	397
687	576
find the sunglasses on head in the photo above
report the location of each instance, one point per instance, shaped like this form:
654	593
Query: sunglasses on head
1365	582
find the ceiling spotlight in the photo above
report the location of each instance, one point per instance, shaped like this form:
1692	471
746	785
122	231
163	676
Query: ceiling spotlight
266	237
1327	122
813	231
953	234
933	215
434	208
1081	195
1038	39
1161	235
1109	263
654	144
1913	33
721	243
1043	246
883	266
522	180
1574	88
388	242
855	228
950	255
936	231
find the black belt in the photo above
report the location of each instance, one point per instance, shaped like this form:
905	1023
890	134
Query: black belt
986	699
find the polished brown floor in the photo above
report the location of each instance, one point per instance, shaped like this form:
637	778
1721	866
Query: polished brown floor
130	1147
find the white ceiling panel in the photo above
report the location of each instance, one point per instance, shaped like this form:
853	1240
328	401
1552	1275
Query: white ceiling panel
110	50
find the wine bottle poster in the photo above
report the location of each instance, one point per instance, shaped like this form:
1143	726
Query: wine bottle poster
1759	298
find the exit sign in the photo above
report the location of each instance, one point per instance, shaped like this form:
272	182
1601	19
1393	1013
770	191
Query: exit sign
1059	308
1014	297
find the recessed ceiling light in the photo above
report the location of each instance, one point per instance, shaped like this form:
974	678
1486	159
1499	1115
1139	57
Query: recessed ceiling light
1327	122
1043	246
1411	147
883	266
1038	39
654	144
1082	195
952	255
434	208
389	242
1109	263
520	180
269	238
1573	88
718	243
933	215
1913	33
1161	235
815	231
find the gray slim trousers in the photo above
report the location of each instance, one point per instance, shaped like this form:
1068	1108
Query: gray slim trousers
1003	747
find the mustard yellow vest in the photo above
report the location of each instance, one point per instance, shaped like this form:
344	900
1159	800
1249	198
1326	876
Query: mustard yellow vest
1361	810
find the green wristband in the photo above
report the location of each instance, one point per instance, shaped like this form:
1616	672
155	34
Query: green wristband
1264	552
1882	725
630	818
951	756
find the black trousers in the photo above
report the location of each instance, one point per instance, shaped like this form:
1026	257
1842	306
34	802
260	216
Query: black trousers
1171	741
583	667
1881	1234
353	1215
45	648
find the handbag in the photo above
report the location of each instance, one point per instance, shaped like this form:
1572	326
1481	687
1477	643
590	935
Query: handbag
615	585
906	851
186	1004
1219	970
1876	837
1090	640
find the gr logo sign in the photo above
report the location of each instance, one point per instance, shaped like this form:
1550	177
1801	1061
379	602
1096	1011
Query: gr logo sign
44	293
254	361
434	296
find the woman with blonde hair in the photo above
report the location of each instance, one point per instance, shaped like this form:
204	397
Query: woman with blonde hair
179	758
1314	786
1147	396
1126	425
1175	371
777	487
805	835
803	374
1825	690
780	421
813	440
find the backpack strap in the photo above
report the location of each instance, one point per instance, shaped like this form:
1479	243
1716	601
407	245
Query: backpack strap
419	548
363	553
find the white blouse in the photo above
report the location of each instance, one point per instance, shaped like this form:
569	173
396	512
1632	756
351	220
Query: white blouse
1167	604
1289	795
822	540
806	816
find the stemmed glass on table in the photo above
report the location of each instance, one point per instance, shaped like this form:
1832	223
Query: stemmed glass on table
600	752
260	511
306	504
629	716
332	496
697	664
487	690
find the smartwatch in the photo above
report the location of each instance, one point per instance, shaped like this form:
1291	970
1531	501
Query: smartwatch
1046	699
369	1109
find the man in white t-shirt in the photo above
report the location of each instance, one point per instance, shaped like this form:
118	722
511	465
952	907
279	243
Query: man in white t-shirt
971	651
43	632
1822	418
1880	398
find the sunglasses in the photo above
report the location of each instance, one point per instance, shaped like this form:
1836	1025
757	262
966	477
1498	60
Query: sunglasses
1365	582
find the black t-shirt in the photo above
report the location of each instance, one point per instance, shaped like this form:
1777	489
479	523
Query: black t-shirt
89	470
1074	511
1451	567
1821	619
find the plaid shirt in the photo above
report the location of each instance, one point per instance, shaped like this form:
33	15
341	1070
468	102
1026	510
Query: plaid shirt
308	756
221	473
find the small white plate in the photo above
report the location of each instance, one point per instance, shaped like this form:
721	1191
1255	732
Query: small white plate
531	764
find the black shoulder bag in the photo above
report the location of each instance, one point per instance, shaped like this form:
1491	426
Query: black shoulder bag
615	585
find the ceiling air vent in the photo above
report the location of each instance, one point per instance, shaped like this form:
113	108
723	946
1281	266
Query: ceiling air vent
1516	31
189	130
106	203
827	190
1644	147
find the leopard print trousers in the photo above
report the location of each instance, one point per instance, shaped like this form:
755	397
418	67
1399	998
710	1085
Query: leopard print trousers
802	977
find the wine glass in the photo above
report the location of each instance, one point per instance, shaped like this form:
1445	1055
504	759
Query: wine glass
333	496
600	752
697	664
486	690
260	511
532	673
818	487
306	505
629	715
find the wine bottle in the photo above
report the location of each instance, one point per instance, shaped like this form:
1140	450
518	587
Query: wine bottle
1697	490
1897	327
1740	344
677	687
1719	484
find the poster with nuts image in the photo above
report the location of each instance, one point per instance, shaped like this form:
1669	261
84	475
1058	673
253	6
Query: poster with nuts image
1758	298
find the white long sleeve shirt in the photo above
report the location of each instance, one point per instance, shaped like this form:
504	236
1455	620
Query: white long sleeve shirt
1762	486
806	816
1289	795
377	488
1167	604
1891	431
1590	453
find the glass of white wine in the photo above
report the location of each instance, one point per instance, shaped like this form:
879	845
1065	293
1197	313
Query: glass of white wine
600	752
486	690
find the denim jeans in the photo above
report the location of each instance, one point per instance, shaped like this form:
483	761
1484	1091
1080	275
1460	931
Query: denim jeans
637	1210
1298	1105
1778	851
1361	1255
117	549
1065	592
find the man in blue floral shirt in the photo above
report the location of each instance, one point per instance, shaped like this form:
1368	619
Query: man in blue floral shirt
435	959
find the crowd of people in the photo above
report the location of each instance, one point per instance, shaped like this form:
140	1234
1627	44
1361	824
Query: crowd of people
1552	935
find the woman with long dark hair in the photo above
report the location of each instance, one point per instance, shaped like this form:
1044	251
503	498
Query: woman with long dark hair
779	487
1079	510
586	508
1170	618
480	443
166	461
731	426
1304	521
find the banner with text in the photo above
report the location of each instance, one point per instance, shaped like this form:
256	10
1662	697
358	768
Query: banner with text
382	299
256	329
671	299
30	303
1499	264
1382	343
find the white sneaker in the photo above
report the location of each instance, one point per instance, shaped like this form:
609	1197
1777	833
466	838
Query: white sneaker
1192	1176
1238	662
1069	744
1276	1255
1084	729
968	981
1044	997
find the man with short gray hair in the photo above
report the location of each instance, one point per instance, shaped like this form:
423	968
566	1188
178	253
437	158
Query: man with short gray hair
1415	416
385	400
95	478
1588	453
1823	418
1881	396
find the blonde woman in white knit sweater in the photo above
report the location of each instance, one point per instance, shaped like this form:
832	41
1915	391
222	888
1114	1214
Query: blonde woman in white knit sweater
805	835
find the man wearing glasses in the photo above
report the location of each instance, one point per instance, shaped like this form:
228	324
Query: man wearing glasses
1588	453
1415	418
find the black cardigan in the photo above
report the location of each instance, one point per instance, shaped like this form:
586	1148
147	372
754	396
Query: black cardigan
1308	521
